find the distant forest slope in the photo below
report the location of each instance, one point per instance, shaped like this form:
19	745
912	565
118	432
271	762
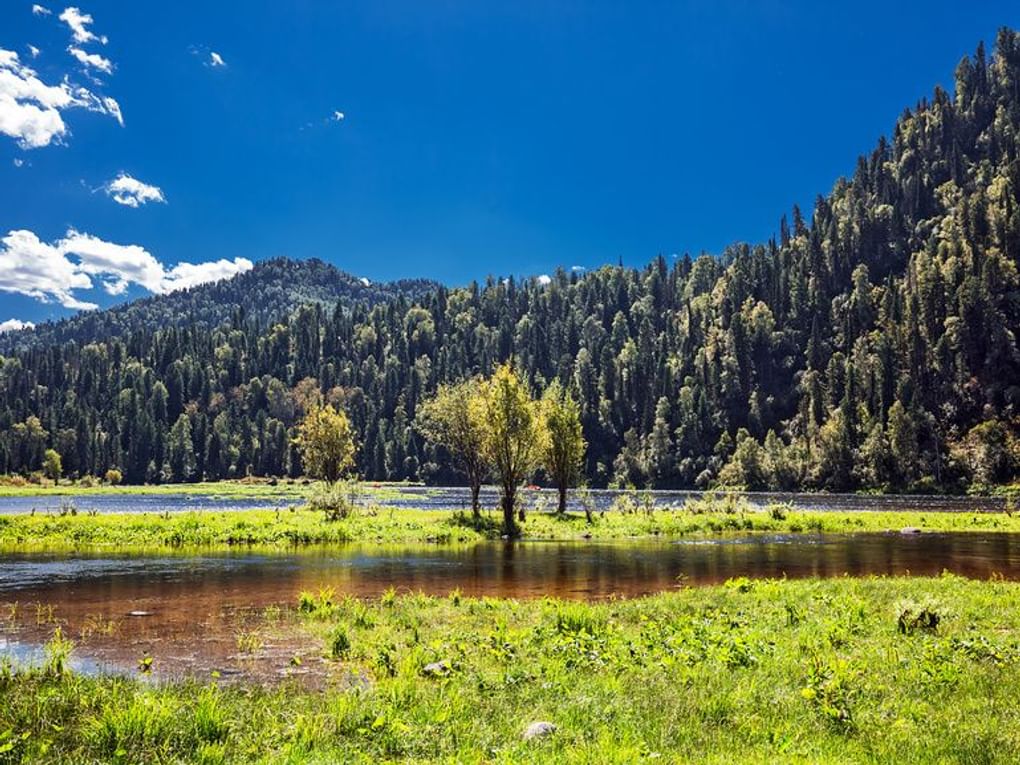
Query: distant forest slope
270	291
872	345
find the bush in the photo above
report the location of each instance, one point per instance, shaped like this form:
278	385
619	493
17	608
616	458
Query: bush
777	512
52	466
335	500
113	477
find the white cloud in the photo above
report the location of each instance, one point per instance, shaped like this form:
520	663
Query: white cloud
34	51
543	279
13	325
30	110
39	270
338	116
18	161
93	60
39	10
79	23
53	272
111	107
215	59
131	192
129	263
578	269
185	275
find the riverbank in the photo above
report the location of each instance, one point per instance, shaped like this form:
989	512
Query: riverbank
844	670
295	527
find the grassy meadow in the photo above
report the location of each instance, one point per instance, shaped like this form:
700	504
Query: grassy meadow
300	526
845	670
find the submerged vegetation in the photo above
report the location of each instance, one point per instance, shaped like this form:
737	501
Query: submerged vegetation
877	670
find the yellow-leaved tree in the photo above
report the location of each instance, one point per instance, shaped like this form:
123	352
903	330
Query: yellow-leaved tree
515	435
452	419
326	441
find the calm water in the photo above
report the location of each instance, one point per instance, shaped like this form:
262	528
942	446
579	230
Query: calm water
138	503
189	610
456	498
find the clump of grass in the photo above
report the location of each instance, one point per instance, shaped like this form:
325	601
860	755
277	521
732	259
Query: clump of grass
578	617
913	616
831	686
339	643
319	605
58	651
248	641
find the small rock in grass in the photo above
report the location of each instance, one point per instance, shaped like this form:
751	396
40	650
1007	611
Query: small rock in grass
910	530
538	730
436	669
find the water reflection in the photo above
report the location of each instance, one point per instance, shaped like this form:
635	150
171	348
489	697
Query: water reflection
196	605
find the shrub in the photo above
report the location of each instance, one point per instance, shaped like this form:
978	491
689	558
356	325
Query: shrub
52	466
113	477
335	500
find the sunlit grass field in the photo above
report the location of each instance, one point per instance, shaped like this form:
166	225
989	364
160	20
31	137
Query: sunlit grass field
844	670
299	526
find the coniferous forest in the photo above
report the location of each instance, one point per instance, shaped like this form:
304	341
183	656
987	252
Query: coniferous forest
872	343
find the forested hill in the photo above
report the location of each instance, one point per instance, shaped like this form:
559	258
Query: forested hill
872	344
271	290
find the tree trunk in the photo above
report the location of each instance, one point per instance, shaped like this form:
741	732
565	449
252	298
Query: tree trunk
509	526
562	508
475	507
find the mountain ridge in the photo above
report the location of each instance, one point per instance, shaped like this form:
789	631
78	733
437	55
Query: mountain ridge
270	291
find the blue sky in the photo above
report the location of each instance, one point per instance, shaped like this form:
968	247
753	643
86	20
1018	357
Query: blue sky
477	138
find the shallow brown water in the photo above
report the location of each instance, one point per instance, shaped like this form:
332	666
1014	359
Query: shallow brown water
197	610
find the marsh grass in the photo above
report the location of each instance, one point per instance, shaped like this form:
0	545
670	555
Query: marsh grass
720	675
287	529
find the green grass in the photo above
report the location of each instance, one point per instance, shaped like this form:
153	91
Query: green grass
288	528
243	489
833	671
